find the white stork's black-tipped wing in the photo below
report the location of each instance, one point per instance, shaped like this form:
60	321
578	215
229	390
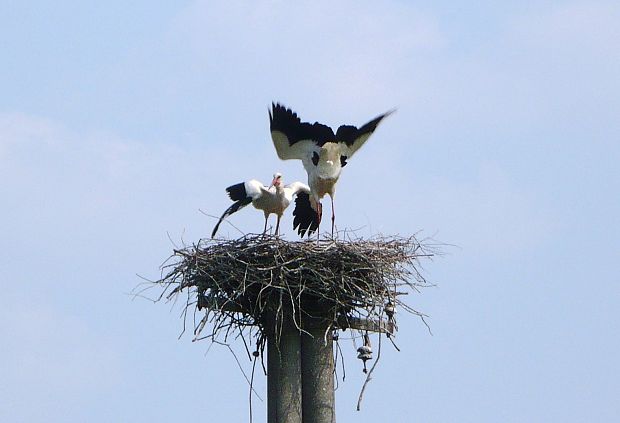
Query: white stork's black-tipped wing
242	194
351	138
306	219
293	138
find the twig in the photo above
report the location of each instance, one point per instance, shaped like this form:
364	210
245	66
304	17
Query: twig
240	368
368	376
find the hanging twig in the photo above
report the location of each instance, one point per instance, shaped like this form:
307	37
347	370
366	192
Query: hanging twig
369	376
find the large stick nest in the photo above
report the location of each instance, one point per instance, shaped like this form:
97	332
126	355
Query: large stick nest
244	284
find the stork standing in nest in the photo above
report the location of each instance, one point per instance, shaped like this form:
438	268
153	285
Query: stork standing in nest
272	199
322	153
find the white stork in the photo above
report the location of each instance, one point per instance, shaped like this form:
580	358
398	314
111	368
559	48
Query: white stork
273	199
322	153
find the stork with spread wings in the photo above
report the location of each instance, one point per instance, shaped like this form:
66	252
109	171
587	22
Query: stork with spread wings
322	153
273	199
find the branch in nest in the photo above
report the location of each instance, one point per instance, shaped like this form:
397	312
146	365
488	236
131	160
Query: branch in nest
255	279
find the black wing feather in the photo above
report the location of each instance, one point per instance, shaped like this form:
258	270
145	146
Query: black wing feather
286	121
306	218
349	133
238	205
237	192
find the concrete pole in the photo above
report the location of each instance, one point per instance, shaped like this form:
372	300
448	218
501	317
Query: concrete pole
317	376
284	373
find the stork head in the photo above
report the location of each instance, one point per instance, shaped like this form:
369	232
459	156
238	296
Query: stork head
277	180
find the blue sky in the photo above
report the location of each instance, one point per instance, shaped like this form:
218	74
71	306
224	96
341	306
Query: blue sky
118	122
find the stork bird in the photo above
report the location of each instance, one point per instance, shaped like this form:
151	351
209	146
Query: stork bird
322	153
273	199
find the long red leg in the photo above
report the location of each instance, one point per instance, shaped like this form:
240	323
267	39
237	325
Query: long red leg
320	213
333	215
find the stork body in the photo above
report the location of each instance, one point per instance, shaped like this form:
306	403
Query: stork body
322	153
271	200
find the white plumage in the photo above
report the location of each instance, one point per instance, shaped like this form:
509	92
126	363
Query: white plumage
322	153
273	199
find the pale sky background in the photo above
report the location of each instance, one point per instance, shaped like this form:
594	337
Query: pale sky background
119	121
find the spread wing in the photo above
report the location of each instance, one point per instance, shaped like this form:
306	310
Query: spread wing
242	194
351	138
251	189
294	139
236	206
297	187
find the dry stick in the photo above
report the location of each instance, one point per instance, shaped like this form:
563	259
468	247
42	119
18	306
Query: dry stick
392	341
336	367
245	344
368	377
240	368
344	373
251	386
